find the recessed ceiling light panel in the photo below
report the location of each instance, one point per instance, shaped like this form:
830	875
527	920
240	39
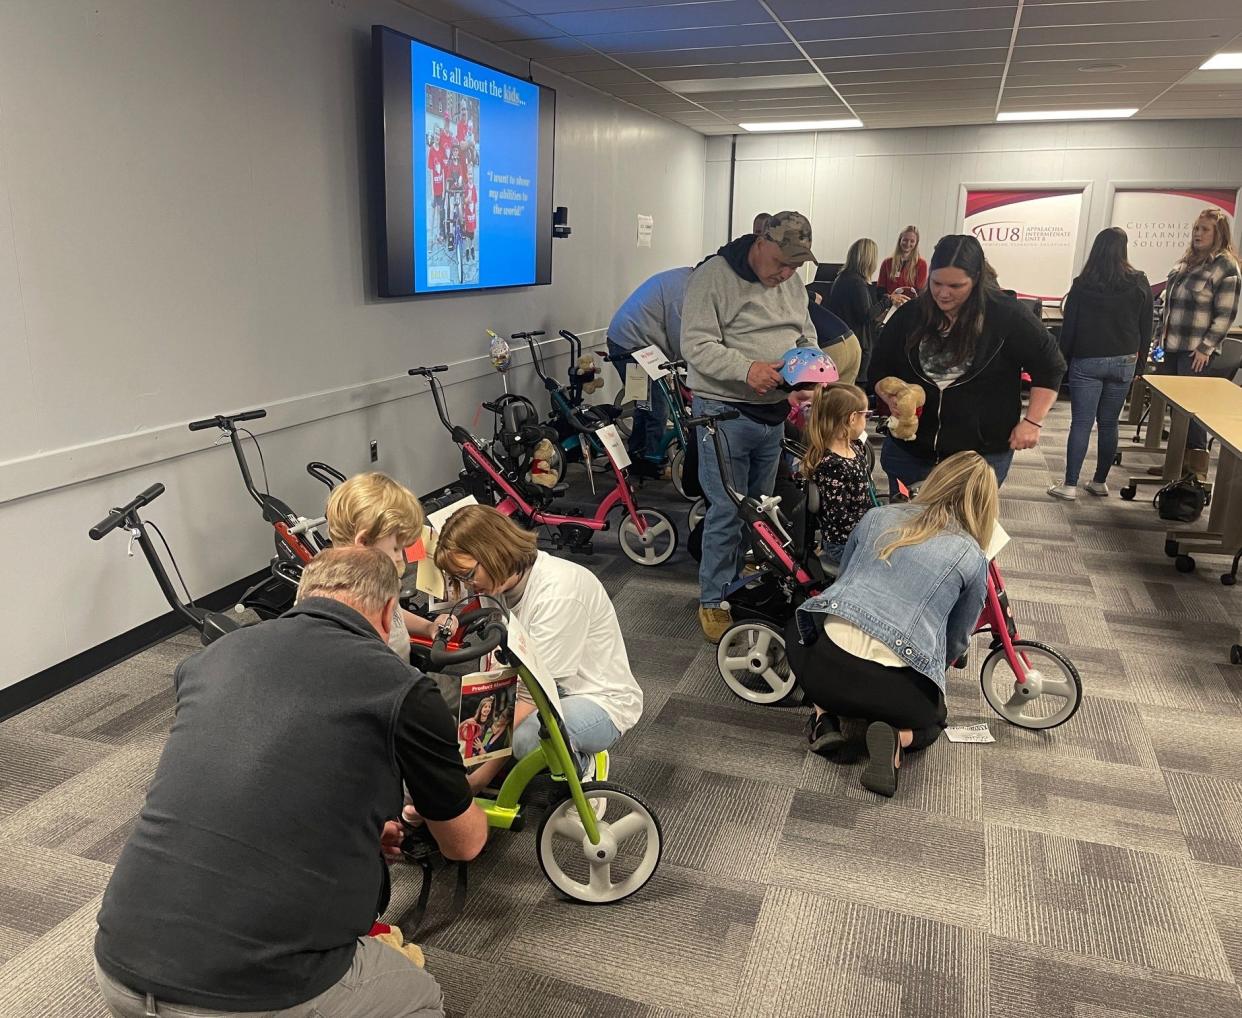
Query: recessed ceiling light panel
1029	115
1223	62
803	125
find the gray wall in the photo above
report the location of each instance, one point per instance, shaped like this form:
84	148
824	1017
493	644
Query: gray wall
182	232
872	183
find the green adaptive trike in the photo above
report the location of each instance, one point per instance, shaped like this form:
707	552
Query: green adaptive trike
590	859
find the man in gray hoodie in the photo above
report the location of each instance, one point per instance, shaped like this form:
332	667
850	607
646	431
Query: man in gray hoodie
744	309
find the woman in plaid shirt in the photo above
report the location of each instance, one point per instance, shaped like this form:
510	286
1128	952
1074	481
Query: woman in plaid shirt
1200	302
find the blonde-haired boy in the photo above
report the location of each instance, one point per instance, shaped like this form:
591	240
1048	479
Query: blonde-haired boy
374	511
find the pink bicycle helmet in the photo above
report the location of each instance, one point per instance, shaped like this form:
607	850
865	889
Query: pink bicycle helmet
805	366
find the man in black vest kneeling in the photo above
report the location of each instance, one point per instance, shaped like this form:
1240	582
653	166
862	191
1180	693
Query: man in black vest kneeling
252	877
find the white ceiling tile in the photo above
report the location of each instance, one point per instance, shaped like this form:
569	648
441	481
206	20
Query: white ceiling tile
636	41
504	30
904	25
793	10
1125	12
714	55
723	14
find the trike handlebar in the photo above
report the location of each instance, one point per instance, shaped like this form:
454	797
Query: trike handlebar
226	422
490	638
707	419
118	516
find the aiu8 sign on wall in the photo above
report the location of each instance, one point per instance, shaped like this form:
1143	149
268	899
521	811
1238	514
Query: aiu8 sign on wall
1029	236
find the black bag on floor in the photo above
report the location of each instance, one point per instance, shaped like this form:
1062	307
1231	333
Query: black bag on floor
1182	501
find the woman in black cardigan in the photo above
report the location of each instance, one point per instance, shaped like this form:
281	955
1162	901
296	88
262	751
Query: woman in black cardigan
966	342
857	303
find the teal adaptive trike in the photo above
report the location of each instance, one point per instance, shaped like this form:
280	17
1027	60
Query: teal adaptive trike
590	859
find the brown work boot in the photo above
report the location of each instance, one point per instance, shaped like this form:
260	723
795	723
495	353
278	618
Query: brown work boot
715	622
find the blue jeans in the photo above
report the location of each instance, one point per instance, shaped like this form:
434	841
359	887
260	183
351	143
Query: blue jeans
900	464
1098	388
588	725
1177	362
650	417
754	454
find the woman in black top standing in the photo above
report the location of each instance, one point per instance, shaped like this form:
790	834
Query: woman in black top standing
966	343
854	299
1107	328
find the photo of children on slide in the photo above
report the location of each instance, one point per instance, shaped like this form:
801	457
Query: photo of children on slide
452	133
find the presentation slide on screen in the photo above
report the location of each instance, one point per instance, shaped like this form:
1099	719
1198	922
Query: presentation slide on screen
476	162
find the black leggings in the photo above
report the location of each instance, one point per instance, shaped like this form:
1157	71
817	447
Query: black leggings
850	687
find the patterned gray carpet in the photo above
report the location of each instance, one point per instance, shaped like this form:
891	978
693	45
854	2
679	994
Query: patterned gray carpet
1092	871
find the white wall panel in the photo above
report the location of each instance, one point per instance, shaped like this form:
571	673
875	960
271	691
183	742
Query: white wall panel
872	183
183	231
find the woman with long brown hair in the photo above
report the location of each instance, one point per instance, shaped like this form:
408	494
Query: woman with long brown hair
1106	328
966	343
904	268
1200	302
875	645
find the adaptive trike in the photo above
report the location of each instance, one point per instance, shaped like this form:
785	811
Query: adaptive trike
589	859
647	536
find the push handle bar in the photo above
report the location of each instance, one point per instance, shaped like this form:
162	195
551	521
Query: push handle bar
427	372
325	474
527	335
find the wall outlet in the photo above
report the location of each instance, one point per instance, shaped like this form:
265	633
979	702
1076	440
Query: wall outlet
374	451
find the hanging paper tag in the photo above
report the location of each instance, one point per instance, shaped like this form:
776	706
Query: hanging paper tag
998	541
427	577
650	358
637	384
611	439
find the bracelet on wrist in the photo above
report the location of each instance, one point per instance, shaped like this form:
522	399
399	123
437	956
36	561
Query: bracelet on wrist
1036	423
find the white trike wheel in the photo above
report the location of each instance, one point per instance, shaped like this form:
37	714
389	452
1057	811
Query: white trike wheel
623	861
655	545
677	468
696	513
1050	696
751	658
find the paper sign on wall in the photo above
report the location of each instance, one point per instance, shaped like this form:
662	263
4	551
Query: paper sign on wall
637	384
1158	221
650	358
523	647
645	226
611	439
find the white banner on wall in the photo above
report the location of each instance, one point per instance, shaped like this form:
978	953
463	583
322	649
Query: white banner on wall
1030	236
1158	221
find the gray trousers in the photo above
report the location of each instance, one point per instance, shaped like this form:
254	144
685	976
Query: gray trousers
381	983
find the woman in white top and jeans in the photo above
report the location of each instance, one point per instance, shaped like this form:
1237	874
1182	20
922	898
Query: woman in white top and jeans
875	645
571	621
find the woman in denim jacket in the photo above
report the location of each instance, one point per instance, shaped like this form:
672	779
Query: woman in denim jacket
875	645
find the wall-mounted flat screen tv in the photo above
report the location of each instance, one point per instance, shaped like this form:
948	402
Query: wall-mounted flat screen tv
463	172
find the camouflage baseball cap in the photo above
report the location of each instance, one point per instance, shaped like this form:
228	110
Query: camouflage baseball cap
791	232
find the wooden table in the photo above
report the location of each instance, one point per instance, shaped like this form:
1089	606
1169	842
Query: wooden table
1184	396
1223	535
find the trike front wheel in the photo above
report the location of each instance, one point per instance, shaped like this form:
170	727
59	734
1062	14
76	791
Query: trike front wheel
655	545
630	844
1050	694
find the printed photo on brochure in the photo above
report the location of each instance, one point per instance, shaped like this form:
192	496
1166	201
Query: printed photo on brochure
485	717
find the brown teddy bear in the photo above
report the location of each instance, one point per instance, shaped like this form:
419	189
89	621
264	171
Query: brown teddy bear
541	471
391	936
904	403
588	372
